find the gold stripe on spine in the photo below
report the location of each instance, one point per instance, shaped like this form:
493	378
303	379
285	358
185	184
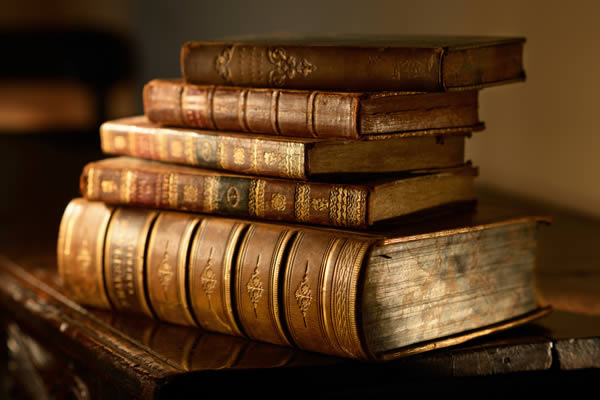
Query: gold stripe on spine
256	198
161	140
310	113
189	147
302	202
328	264
173	182
347	206
293	160
128	189
210	102
131	135
211	185
275	111
242	110
343	301
91	175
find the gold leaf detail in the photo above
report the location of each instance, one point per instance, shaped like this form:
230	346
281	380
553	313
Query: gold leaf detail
320	204
302	202
108	186
347	206
211	184
278	201
190	193
208	278
256	198
239	156
84	262
270	158
165	271
304	295
287	67
176	149
222	63
232	197
255	287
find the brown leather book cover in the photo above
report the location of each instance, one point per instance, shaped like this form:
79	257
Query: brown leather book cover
286	157
130	181
351	294
377	63
323	114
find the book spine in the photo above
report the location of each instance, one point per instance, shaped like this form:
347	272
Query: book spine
273	199
313	67
270	111
194	148
273	283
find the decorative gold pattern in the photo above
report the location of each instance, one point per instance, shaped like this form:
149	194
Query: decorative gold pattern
128	187
222	63
211	183
165	271
292	162
176	148
347	206
239	156
320	204
256	198
190	150
286	67
208	278
278	201
345	275
270	158
190	193
304	295
173	182
255	287
302	202
232	197
108	186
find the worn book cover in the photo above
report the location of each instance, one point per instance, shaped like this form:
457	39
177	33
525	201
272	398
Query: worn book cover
368	295
308	113
373	63
286	157
358	203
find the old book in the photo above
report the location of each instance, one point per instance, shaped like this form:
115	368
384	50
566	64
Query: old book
287	112
287	157
131	181
376	295
408	63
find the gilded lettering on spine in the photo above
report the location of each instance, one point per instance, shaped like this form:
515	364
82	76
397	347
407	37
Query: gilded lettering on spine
302	202
256	198
128	181
173	183
190	150
347	206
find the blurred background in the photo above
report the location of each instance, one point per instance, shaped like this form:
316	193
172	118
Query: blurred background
67	65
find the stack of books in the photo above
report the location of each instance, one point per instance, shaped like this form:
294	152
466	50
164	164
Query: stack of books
319	198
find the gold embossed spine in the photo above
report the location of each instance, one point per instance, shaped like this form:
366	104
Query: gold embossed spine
257	282
124	262
167	266
210	274
80	251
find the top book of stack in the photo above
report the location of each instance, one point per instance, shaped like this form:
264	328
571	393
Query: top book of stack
425	64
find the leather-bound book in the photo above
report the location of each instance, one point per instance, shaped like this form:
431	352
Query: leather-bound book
286	157
362	203
308	113
375	295
377	63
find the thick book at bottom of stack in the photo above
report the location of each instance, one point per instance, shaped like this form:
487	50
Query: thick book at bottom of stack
353	294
